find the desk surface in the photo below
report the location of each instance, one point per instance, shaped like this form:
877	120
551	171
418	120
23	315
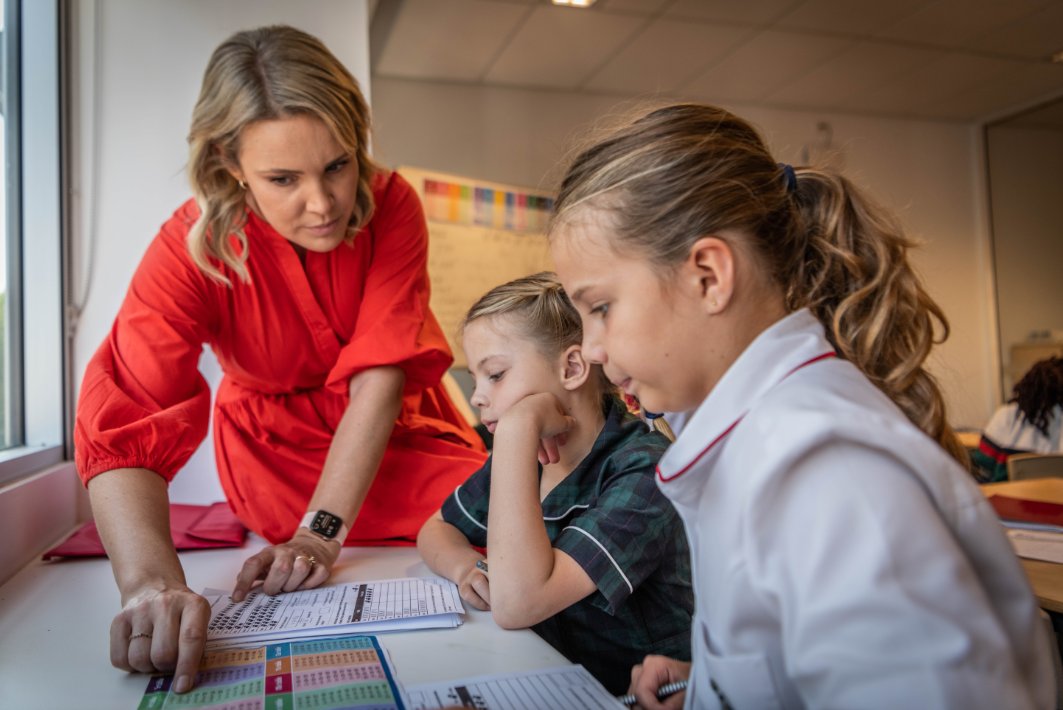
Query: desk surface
55	616
1046	578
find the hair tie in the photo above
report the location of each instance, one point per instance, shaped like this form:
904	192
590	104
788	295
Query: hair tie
791	177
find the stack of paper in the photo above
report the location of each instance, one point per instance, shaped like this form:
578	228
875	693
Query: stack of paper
565	687
361	607
318	674
1035	528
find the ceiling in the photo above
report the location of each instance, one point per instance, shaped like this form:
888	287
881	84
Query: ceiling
956	60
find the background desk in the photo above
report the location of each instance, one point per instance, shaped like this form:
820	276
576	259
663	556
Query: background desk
55	616
1046	578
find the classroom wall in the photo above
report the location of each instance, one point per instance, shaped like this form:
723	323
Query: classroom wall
131	118
930	172
1027	186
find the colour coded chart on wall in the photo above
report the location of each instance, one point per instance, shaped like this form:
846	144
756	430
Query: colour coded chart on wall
466	202
318	674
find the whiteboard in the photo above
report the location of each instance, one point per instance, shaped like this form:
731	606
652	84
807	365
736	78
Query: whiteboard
467	260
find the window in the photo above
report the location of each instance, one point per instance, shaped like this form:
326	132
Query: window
33	381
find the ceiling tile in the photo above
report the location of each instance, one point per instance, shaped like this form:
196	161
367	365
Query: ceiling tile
637	7
560	47
950	74
858	17
953	23
1036	36
422	45
746	12
763	64
1049	116
862	68
665	56
1024	84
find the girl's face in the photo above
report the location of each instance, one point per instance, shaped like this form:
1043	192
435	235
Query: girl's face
299	179
648	336
506	367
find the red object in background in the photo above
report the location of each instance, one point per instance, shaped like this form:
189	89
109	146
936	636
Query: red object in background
1021	510
193	527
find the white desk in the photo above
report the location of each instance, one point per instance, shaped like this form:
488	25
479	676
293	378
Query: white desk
54	621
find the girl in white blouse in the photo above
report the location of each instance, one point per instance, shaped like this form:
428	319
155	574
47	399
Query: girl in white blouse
842	556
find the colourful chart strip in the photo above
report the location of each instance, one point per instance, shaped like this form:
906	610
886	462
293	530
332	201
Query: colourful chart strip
317	674
488	207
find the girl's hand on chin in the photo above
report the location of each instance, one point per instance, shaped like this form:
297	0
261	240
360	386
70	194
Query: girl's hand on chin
544	417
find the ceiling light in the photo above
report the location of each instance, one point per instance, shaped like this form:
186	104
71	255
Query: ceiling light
574	3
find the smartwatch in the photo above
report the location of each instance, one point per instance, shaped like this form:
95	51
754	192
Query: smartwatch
326	525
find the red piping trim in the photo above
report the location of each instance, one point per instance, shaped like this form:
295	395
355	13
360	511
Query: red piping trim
728	430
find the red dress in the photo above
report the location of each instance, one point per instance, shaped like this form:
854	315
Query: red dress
288	342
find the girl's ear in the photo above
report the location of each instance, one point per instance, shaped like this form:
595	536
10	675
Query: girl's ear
575	369
709	271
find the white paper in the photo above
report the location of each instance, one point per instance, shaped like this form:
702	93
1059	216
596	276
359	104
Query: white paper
357	607
566	687
1037	545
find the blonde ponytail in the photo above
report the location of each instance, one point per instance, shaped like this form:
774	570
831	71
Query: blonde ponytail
857	279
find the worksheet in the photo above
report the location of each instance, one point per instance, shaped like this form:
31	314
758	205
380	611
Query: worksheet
363	607
565	687
316	674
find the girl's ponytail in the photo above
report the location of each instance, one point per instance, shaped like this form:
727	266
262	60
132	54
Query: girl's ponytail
856	278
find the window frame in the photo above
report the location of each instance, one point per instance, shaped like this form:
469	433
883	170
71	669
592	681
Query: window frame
39	377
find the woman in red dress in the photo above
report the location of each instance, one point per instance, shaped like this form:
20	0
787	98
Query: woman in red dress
304	267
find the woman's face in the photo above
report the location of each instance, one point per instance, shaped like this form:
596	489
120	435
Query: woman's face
299	179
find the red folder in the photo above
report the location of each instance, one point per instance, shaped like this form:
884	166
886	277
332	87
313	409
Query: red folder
1032	512
193	527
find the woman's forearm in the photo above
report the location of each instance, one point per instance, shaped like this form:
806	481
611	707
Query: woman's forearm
132	513
360	441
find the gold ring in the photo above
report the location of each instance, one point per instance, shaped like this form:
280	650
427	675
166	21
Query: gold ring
140	636
310	560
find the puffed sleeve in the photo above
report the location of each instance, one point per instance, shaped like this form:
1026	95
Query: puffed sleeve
466	507
143	401
395	325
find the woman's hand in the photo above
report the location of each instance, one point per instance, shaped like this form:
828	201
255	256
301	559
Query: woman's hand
303	562
475	588
543	416
161	628
651	674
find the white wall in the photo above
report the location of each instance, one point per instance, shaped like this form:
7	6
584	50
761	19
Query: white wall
131	117
1027	189
929	172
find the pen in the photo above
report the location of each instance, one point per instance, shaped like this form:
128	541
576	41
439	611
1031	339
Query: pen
663	692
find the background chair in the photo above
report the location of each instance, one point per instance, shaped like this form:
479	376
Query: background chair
1024	466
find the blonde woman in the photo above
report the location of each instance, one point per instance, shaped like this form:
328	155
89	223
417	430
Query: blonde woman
581	545
303	266
843	557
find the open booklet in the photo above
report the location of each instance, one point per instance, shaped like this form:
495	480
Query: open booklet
355	607
315	674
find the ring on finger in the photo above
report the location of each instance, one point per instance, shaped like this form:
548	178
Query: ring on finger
310	560
139	636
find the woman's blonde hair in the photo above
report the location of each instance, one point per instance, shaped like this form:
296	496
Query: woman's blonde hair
542	312
684	171
257	75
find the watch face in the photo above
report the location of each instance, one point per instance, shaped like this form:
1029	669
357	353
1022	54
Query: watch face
326	524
